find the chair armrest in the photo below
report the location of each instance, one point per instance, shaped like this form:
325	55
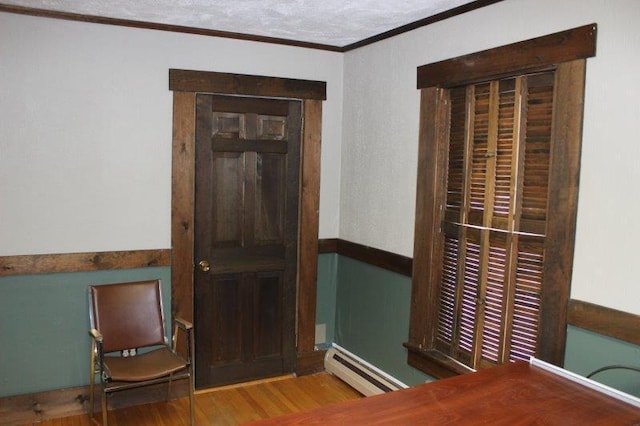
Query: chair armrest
184	324
96	335
187	327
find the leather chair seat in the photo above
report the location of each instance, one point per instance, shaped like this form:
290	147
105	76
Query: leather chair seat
148	366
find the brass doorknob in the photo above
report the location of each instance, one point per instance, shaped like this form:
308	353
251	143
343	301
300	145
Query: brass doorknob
205	266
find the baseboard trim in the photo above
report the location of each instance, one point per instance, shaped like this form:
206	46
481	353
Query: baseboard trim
310	362
36	407
40	406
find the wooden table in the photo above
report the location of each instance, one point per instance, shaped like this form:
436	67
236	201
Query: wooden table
512	394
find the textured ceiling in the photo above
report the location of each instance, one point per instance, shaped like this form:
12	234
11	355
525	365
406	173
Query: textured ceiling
329	22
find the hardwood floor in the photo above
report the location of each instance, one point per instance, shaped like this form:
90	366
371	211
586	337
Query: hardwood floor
231	405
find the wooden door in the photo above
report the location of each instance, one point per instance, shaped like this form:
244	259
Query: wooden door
246	226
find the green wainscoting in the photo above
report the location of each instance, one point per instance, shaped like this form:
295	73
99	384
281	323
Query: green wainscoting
44	340
326	295
44	344
587	351
372	317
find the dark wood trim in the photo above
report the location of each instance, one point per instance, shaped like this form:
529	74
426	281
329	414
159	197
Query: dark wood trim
328	245
83	262
373	256
521	57
606	321
182	204
67	16
41	406
54	404
53	14
185	85
376	257
562	209
309	225
434	363
310	362
247	85
429	194
421	23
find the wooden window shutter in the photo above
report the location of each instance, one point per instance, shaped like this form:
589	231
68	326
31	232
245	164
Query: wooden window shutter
496	203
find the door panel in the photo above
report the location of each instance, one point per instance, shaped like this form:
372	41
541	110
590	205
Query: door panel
267	305
270	196
226	193
246	224
226	319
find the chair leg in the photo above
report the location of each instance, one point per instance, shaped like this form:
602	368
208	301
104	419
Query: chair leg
105	420
169	387
91	399
192	407
92	379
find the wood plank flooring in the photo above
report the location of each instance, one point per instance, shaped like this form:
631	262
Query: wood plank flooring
232	405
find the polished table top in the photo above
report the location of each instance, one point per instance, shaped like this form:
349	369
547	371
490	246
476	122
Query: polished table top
512	394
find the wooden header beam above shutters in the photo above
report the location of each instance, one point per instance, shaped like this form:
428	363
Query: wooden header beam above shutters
521	57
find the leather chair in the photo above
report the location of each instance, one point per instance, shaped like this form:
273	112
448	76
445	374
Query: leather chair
129	345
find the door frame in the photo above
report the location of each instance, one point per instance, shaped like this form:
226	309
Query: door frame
185	84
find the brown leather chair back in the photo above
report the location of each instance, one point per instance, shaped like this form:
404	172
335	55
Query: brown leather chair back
128	315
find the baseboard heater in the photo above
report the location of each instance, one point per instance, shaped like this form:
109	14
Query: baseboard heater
359	374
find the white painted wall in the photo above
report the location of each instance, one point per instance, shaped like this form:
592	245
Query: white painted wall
86	122
85	131
380	133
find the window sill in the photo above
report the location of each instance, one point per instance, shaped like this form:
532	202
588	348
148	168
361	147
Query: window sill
434	362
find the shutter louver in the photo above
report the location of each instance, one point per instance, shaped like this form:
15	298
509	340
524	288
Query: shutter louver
478	179
455	175
447	292
503	178
494	303
537	146
469	296
526	302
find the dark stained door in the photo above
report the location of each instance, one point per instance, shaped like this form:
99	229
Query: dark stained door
246	226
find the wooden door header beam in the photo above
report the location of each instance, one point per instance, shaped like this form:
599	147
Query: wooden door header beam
529	55
248	85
